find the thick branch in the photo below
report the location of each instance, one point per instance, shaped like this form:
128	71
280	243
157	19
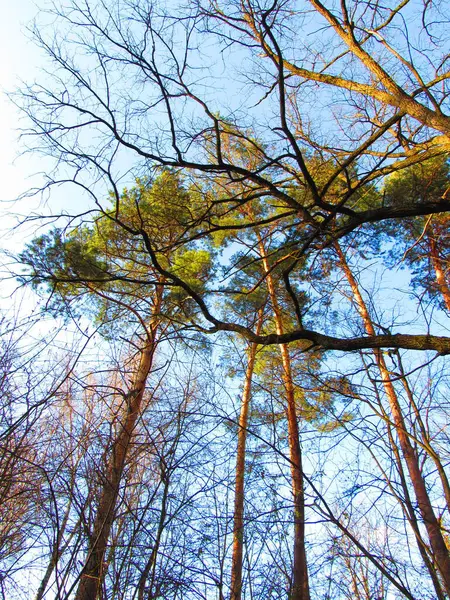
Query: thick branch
439	344
384	213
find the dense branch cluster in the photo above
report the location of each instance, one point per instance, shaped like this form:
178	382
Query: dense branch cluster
310	136
269	187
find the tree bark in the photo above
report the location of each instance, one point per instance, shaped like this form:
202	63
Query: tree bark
300	583
55	555
94	570
238	525
426	440
439	272
436	539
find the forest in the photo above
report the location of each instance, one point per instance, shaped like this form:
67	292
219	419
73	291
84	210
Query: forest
227	377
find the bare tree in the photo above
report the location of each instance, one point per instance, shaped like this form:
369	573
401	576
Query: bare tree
287	131
435	534
140	80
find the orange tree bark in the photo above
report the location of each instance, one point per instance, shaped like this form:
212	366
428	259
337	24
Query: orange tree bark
94	570
300	583
238	526
434	532
439	272
426	440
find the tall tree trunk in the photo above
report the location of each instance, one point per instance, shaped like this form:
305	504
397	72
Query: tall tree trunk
238	525
439	271
93	572
409	510
426	440
436	539
300	583
56	553
151	563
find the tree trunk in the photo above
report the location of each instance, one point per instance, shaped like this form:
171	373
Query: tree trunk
300	584
93	572
238	526
436	539
439	272
55	555
425	440
408	508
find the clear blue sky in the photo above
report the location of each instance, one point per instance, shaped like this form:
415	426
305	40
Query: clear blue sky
22	61
19	61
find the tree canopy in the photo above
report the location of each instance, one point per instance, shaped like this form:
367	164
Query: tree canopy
262	411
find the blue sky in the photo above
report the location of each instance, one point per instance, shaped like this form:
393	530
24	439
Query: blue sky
20	61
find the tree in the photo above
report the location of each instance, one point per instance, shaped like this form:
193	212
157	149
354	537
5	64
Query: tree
298	404
435	533
238	517
424	242
75	267
337	115
393	123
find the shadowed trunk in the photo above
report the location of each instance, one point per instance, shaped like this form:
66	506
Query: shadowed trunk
94	570
436	539
300	584
439	272
238	526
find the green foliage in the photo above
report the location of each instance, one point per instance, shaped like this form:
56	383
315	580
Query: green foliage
248	291
315	394
54	259
64	265
414	237
425	182
108	261
193	266
162	207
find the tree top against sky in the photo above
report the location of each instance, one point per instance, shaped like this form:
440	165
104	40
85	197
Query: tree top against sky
302	108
